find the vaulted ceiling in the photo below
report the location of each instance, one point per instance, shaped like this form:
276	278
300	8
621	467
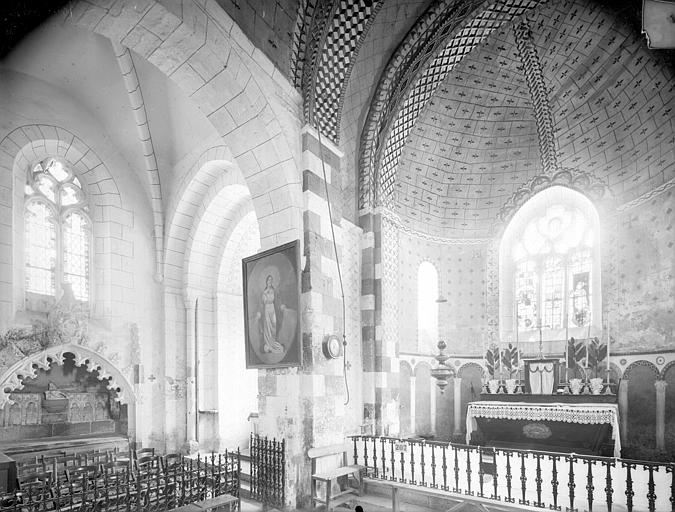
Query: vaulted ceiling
476	142
448	132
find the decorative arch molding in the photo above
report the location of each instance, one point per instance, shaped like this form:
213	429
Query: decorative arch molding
617	370
329	36
460	370
585	183
31	143
13	377
664	370
212	171
405	364
419	365
642	362
438	41
220	211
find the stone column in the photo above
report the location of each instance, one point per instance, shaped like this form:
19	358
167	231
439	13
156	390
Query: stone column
191	444
432	404
457	405
413	404
623	409
660	386
306	405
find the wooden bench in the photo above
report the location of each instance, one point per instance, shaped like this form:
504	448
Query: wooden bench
330	476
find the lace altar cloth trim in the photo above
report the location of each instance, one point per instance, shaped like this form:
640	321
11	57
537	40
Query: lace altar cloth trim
578	414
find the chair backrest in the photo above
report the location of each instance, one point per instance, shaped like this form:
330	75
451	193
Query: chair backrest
93	457
82	473
44	478
147	462
28	468
171	460
142	452
117	471
116	455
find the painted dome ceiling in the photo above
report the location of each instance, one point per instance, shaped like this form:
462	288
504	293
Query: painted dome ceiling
476	141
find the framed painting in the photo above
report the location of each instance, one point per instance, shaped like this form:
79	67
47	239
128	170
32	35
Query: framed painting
272	307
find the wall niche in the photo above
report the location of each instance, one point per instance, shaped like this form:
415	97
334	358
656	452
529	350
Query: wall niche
64	401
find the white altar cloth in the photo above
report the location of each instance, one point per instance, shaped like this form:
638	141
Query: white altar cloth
587	413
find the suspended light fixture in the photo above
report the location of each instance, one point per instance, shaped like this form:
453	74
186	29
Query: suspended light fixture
442	372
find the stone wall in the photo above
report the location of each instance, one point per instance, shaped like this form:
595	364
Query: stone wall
462	274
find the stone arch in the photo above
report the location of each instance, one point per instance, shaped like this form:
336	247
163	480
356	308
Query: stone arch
13	377
217	216
226	92
536	206
471	364
585	183
641	363
212	172
666	368
420	364
244	233
417	67
616	370
31	143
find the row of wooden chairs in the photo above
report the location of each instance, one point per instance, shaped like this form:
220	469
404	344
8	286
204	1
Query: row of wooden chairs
67	467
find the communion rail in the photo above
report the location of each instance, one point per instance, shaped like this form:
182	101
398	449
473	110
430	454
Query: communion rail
538	479
126	486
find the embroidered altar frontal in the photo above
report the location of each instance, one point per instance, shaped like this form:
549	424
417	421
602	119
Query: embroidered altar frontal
585	427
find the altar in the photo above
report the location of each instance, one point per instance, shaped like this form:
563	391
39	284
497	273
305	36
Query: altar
583	428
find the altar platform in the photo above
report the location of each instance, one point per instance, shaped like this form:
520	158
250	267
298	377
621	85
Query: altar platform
590	427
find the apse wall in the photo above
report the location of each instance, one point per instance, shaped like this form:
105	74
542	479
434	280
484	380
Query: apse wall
638	281
462	282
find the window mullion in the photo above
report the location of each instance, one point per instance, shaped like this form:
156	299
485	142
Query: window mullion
59	258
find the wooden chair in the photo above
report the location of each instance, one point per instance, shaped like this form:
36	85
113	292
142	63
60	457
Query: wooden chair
144	452
148	465
29	468
171	461
329	477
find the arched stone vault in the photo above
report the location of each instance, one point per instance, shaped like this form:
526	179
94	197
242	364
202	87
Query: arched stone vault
225	91
27	368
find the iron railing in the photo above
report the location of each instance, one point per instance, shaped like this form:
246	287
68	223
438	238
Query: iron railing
525	478
268	470
157	489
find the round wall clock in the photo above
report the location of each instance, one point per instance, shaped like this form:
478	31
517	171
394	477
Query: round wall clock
332	347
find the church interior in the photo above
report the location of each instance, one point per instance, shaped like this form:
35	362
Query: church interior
351	247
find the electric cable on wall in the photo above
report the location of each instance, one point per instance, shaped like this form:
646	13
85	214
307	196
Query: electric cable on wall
337	261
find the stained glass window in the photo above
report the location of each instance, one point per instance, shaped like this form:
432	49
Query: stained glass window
553	263
58	231
580	288
552	292
527	285
40	248
76	253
